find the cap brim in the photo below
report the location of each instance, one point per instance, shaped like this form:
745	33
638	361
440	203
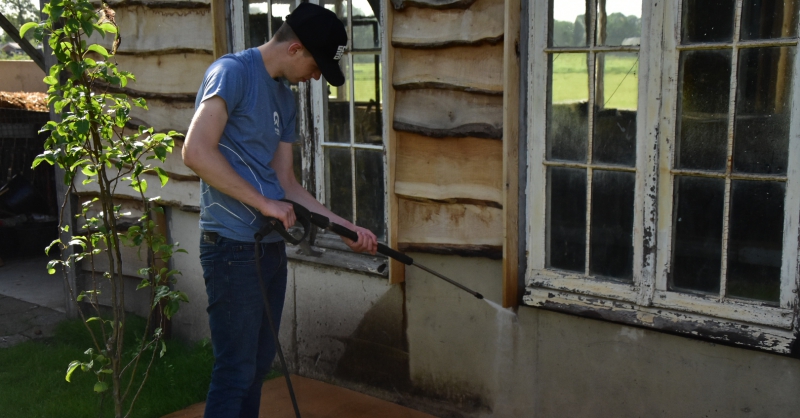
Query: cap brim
330	70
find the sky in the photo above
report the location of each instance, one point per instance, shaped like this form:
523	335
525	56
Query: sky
568	10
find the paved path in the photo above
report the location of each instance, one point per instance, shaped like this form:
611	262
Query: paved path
31	301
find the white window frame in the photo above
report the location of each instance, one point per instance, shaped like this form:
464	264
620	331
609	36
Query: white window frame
646	301
312	114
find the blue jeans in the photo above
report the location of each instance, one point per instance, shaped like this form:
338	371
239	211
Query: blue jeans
240	335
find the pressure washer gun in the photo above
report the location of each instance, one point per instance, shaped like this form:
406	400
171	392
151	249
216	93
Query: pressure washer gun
306	218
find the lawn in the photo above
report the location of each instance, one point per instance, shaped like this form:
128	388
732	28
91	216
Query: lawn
620	80
33	385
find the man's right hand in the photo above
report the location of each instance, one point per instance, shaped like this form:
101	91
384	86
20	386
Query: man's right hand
281	211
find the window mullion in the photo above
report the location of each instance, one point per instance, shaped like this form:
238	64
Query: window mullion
737	27
789	276
591	65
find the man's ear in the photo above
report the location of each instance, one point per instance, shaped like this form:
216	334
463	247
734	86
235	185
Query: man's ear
294	48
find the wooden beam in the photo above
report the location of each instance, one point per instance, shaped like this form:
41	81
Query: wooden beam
219	24
449	169
26	46
433	4
166	74
397	270
511	140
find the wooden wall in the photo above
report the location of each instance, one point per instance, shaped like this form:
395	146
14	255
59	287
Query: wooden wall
167	45
448	126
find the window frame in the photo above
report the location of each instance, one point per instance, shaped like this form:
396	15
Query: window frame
326	248
647	301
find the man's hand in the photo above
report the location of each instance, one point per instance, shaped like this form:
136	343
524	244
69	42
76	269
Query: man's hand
281	211
367	241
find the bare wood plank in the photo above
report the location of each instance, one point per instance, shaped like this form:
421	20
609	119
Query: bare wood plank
433	4
172	4
422	223
449	168
511	140
164	116
170	74
467	68
441	113
176	193
482	22
153	29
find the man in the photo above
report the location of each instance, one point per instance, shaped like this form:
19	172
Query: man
240	144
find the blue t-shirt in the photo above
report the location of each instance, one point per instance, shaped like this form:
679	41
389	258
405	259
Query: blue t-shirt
261	113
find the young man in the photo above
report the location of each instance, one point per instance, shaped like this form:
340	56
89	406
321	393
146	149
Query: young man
240	144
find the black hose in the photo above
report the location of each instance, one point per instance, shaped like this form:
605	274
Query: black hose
272	327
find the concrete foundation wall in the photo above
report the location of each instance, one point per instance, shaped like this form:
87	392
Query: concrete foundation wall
21	76
546	364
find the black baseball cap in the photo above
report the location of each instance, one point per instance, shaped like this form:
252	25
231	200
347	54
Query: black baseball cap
323	35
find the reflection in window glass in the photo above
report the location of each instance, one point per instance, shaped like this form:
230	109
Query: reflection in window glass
769	19
703	110
339	182
756	240
700	24
368	112
369	191
616	101
697	234
260	24
366	27
338	126
612	225
763	106
566	212
618	22
568	119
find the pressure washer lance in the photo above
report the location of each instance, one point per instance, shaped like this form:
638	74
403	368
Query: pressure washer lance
325	223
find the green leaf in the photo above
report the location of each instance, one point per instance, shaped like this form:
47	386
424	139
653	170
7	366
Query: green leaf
163	349
162	175
50	80
99	49
100	387
26	27
72	366
108	27
140	186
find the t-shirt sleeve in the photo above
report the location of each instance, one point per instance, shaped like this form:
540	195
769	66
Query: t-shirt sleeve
289	133
224	78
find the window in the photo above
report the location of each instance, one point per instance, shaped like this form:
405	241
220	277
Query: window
339	156
659	144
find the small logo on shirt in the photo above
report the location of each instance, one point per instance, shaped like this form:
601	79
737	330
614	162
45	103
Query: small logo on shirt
339	52
277	120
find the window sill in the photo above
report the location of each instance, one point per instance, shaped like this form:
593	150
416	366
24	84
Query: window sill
744	334
330	251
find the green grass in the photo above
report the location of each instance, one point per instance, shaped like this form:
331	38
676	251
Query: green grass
33	385
620	81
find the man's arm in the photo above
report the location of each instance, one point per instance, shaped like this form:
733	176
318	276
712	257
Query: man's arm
201	154
283	164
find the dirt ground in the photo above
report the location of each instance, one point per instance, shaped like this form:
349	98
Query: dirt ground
24	101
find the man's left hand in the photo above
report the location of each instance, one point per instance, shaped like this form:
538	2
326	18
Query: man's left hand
367	242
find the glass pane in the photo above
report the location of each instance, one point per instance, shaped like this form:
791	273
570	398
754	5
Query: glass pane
370	192
708	21
260	25
338	125
755	240
620	23
569	25
337	6
704	83
612	225
766	19
763	106
339	182
366	29
568	98
567	218
615	121
368	121
697	236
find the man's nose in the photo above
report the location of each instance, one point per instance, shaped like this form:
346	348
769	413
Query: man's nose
317	74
